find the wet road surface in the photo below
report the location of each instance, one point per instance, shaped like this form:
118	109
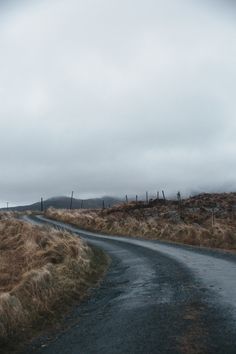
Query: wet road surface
155	298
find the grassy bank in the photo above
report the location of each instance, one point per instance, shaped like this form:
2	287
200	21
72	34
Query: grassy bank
42	272
206	220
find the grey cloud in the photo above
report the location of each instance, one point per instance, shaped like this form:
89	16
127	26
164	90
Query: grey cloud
108	97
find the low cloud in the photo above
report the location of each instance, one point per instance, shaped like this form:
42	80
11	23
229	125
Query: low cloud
107	97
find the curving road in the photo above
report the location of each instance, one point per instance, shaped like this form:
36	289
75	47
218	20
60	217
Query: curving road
155	298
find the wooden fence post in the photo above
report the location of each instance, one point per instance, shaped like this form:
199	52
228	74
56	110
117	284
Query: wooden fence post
41	205
213	217
163	194
180	203
71	199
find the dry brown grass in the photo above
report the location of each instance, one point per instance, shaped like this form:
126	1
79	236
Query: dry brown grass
41	270
163	222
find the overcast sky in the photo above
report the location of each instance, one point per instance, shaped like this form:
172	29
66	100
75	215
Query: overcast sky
115	97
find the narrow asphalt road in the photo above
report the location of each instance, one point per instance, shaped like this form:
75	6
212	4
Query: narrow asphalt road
155	298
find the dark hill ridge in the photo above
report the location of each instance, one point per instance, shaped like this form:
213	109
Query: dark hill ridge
64	203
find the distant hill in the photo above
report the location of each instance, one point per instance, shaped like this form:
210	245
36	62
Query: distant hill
64	203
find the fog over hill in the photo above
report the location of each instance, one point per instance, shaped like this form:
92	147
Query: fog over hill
65	203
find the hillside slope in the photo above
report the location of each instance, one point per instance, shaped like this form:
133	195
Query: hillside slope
64	203
204	220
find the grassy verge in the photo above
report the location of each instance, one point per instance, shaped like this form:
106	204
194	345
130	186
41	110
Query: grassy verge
42	273
188	225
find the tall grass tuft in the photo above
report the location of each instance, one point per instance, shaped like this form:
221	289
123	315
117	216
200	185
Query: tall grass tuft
41	270
163	223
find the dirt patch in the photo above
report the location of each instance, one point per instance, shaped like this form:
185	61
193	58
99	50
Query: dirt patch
192	342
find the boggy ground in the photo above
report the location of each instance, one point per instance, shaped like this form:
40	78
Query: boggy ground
43	271
204	220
